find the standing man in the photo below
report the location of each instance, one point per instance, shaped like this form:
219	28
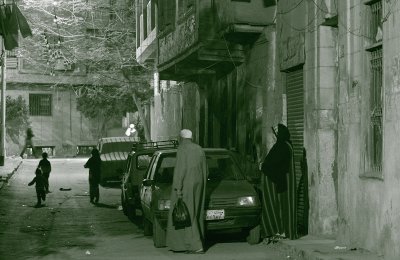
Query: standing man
189	183
28	142
94	164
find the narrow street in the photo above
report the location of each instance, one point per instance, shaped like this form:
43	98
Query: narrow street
69	227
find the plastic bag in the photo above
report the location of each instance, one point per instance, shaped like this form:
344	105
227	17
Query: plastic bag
180	215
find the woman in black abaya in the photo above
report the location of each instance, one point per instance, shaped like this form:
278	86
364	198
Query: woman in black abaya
279	189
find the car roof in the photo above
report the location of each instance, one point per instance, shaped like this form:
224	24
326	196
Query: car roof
118	139
206	150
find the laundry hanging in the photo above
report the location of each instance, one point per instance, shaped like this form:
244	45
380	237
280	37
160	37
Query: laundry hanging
12	21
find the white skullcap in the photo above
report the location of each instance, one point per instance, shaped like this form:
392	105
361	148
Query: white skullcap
131	126
186	133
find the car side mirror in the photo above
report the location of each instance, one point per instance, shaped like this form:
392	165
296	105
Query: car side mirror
147	182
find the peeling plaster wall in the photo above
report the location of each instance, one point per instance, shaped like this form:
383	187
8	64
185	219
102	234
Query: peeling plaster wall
368	206
166	111
320	137
175	106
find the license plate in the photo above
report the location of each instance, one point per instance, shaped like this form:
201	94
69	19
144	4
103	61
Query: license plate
215	214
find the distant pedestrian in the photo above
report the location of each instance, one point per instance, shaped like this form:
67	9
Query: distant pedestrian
131	131
279	189
28	142
40	187
189	183
45	166
94	164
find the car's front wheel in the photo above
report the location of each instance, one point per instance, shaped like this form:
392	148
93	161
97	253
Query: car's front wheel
254	236
147	227
159	234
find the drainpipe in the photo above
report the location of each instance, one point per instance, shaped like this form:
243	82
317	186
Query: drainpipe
3	104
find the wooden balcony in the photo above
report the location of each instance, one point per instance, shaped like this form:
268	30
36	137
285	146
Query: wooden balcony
207	37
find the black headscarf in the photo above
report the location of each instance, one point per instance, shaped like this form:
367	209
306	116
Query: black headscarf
276	164
283	134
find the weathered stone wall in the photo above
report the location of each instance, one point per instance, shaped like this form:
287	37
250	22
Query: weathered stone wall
303	41
368	201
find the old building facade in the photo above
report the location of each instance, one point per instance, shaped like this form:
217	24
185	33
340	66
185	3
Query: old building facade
48	73
326	68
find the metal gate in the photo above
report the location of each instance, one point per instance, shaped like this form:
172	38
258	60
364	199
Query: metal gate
295	122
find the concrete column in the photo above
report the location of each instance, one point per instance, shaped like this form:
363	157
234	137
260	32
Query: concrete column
321	129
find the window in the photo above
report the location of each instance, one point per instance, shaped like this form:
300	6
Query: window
166	14
376	104
184	6
40	104
375	129
12	59
374	25
143	161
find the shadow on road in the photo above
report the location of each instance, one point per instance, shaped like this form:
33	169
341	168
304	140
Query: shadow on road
102	205
213	238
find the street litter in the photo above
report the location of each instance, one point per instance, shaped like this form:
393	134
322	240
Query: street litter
119	207
65	189
87	252
340	248
23	205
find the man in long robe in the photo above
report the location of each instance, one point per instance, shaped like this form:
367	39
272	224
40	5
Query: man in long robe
189	183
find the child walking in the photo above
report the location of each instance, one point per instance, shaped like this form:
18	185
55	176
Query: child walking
40	187
45	166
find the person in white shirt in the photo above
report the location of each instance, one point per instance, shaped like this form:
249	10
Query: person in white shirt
131	131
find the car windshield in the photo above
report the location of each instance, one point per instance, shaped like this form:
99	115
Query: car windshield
116	147
220	167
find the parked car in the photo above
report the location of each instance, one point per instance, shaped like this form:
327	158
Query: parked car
135	171
231	201
113	153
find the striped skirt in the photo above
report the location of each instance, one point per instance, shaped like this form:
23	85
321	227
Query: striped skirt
279	209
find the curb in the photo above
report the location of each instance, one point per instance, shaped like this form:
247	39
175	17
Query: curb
323	249
3	181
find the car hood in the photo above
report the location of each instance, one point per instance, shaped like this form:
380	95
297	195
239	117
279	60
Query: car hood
229	189
216	190
114	156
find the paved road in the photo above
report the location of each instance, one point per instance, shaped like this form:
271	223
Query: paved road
69	227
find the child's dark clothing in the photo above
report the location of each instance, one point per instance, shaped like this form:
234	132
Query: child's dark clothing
94	165
45	166
40	188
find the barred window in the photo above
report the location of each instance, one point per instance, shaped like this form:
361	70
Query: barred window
40	104
376	108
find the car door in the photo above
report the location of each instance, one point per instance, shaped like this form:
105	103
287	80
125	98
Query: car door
146	191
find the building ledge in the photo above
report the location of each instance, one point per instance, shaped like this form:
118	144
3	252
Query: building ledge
147	48
374	46
377	175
